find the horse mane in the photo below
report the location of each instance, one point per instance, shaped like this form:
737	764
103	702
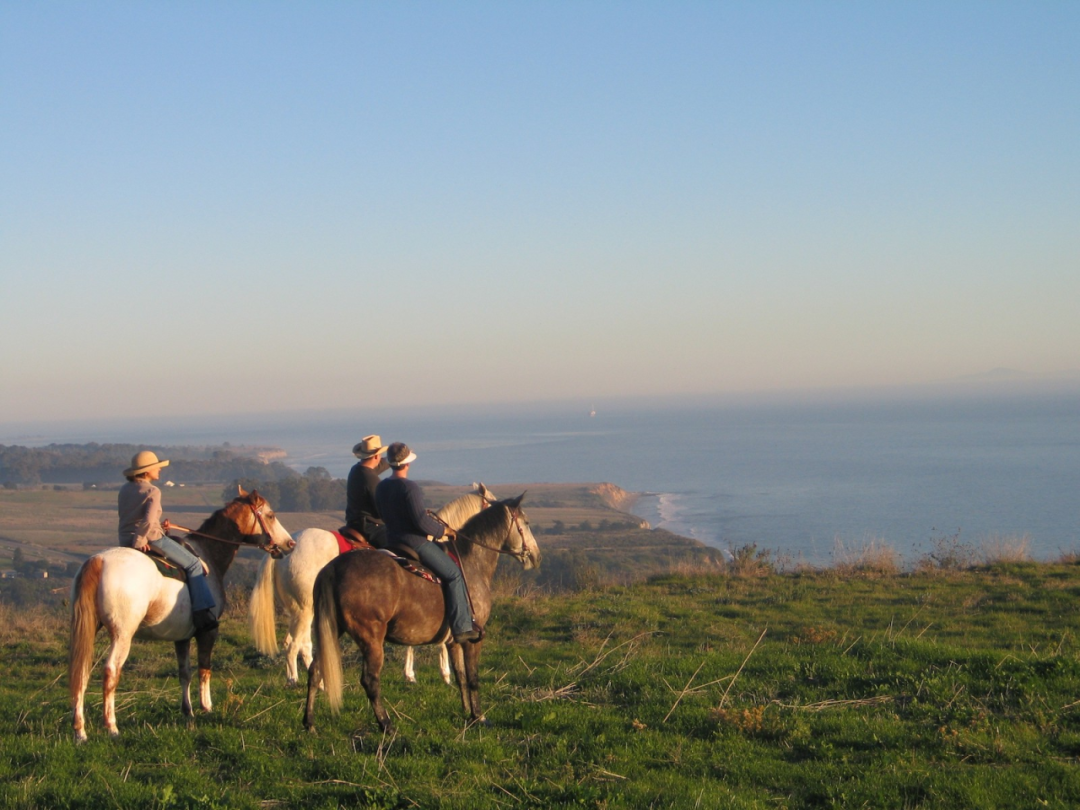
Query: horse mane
486	522
228	511
458	510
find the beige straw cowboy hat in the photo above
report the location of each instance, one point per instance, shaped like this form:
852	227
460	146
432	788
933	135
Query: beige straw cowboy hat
368	446
144	461
399	455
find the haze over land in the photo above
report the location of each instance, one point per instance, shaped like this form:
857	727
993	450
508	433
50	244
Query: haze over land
213	209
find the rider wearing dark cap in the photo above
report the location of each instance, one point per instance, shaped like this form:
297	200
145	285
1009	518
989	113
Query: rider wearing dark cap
401	504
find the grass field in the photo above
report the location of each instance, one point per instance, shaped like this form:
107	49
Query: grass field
936	689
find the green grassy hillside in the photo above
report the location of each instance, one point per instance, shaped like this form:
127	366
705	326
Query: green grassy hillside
934	690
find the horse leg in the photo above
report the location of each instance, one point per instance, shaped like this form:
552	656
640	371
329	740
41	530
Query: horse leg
457	662
183	662
466	661
114	662
205	643
372	651
292	648
78	693
444	663
309	706
410	665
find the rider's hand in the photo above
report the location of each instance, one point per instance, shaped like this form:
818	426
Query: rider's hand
141	544
166	525
448	533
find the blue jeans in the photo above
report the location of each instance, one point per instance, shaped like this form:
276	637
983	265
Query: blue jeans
458	613
201	598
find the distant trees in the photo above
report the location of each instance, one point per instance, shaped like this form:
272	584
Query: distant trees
314	491
93	463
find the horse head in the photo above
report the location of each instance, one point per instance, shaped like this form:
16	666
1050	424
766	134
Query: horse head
519	540
258	525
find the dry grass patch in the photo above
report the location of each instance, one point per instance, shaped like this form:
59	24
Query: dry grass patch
1010	549
872	557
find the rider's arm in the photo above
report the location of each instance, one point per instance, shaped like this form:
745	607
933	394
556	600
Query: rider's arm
423	521
149	528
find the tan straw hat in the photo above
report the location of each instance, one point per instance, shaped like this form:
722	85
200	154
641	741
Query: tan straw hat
368	446
144	461
399	454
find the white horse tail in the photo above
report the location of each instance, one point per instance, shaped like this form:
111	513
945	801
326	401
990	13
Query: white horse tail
327	639
261	609
84	625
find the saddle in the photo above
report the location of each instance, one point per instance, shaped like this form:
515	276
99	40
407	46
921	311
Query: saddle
350	540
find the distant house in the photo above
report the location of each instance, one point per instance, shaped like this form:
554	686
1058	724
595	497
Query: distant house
170	484
8	573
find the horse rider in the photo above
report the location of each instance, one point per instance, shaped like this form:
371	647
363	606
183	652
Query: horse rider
361	511
401	504
141	528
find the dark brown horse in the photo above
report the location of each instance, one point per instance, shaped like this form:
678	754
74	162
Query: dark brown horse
369	596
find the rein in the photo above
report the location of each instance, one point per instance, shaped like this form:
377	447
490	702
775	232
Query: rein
520	556
259	519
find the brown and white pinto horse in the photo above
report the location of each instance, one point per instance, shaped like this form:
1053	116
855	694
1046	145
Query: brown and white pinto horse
369	596
122	590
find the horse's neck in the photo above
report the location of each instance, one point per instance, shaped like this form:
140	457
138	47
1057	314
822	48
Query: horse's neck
458	511
478	562
218	555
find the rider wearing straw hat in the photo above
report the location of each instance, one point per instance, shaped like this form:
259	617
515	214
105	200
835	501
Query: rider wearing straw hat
401	504
361	510
139	506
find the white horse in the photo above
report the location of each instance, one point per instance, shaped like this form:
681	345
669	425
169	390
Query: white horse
293	579
122	590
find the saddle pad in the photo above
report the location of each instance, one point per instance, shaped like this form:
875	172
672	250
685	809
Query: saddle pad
412	567
343	545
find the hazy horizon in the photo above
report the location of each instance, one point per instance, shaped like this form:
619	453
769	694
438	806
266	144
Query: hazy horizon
978	392
214	209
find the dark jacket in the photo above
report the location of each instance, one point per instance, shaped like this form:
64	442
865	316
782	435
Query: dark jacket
401	504
360	497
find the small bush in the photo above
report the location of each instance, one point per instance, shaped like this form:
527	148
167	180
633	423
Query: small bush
747	561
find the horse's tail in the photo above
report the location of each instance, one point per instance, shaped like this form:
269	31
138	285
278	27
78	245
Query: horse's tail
328	637
261	609
84	625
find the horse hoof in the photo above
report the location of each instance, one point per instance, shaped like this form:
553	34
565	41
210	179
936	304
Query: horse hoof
80	739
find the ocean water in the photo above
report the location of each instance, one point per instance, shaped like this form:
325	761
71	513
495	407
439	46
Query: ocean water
794	478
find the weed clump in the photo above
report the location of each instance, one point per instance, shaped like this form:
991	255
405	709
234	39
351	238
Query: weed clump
747	561
873	557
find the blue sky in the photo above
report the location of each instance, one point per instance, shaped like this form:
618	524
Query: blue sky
233	207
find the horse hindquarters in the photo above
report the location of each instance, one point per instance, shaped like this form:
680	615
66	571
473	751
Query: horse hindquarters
84	626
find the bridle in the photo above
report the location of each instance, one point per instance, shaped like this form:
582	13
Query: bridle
266	543
515	523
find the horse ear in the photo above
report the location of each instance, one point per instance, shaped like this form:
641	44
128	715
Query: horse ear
240	492
515	503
